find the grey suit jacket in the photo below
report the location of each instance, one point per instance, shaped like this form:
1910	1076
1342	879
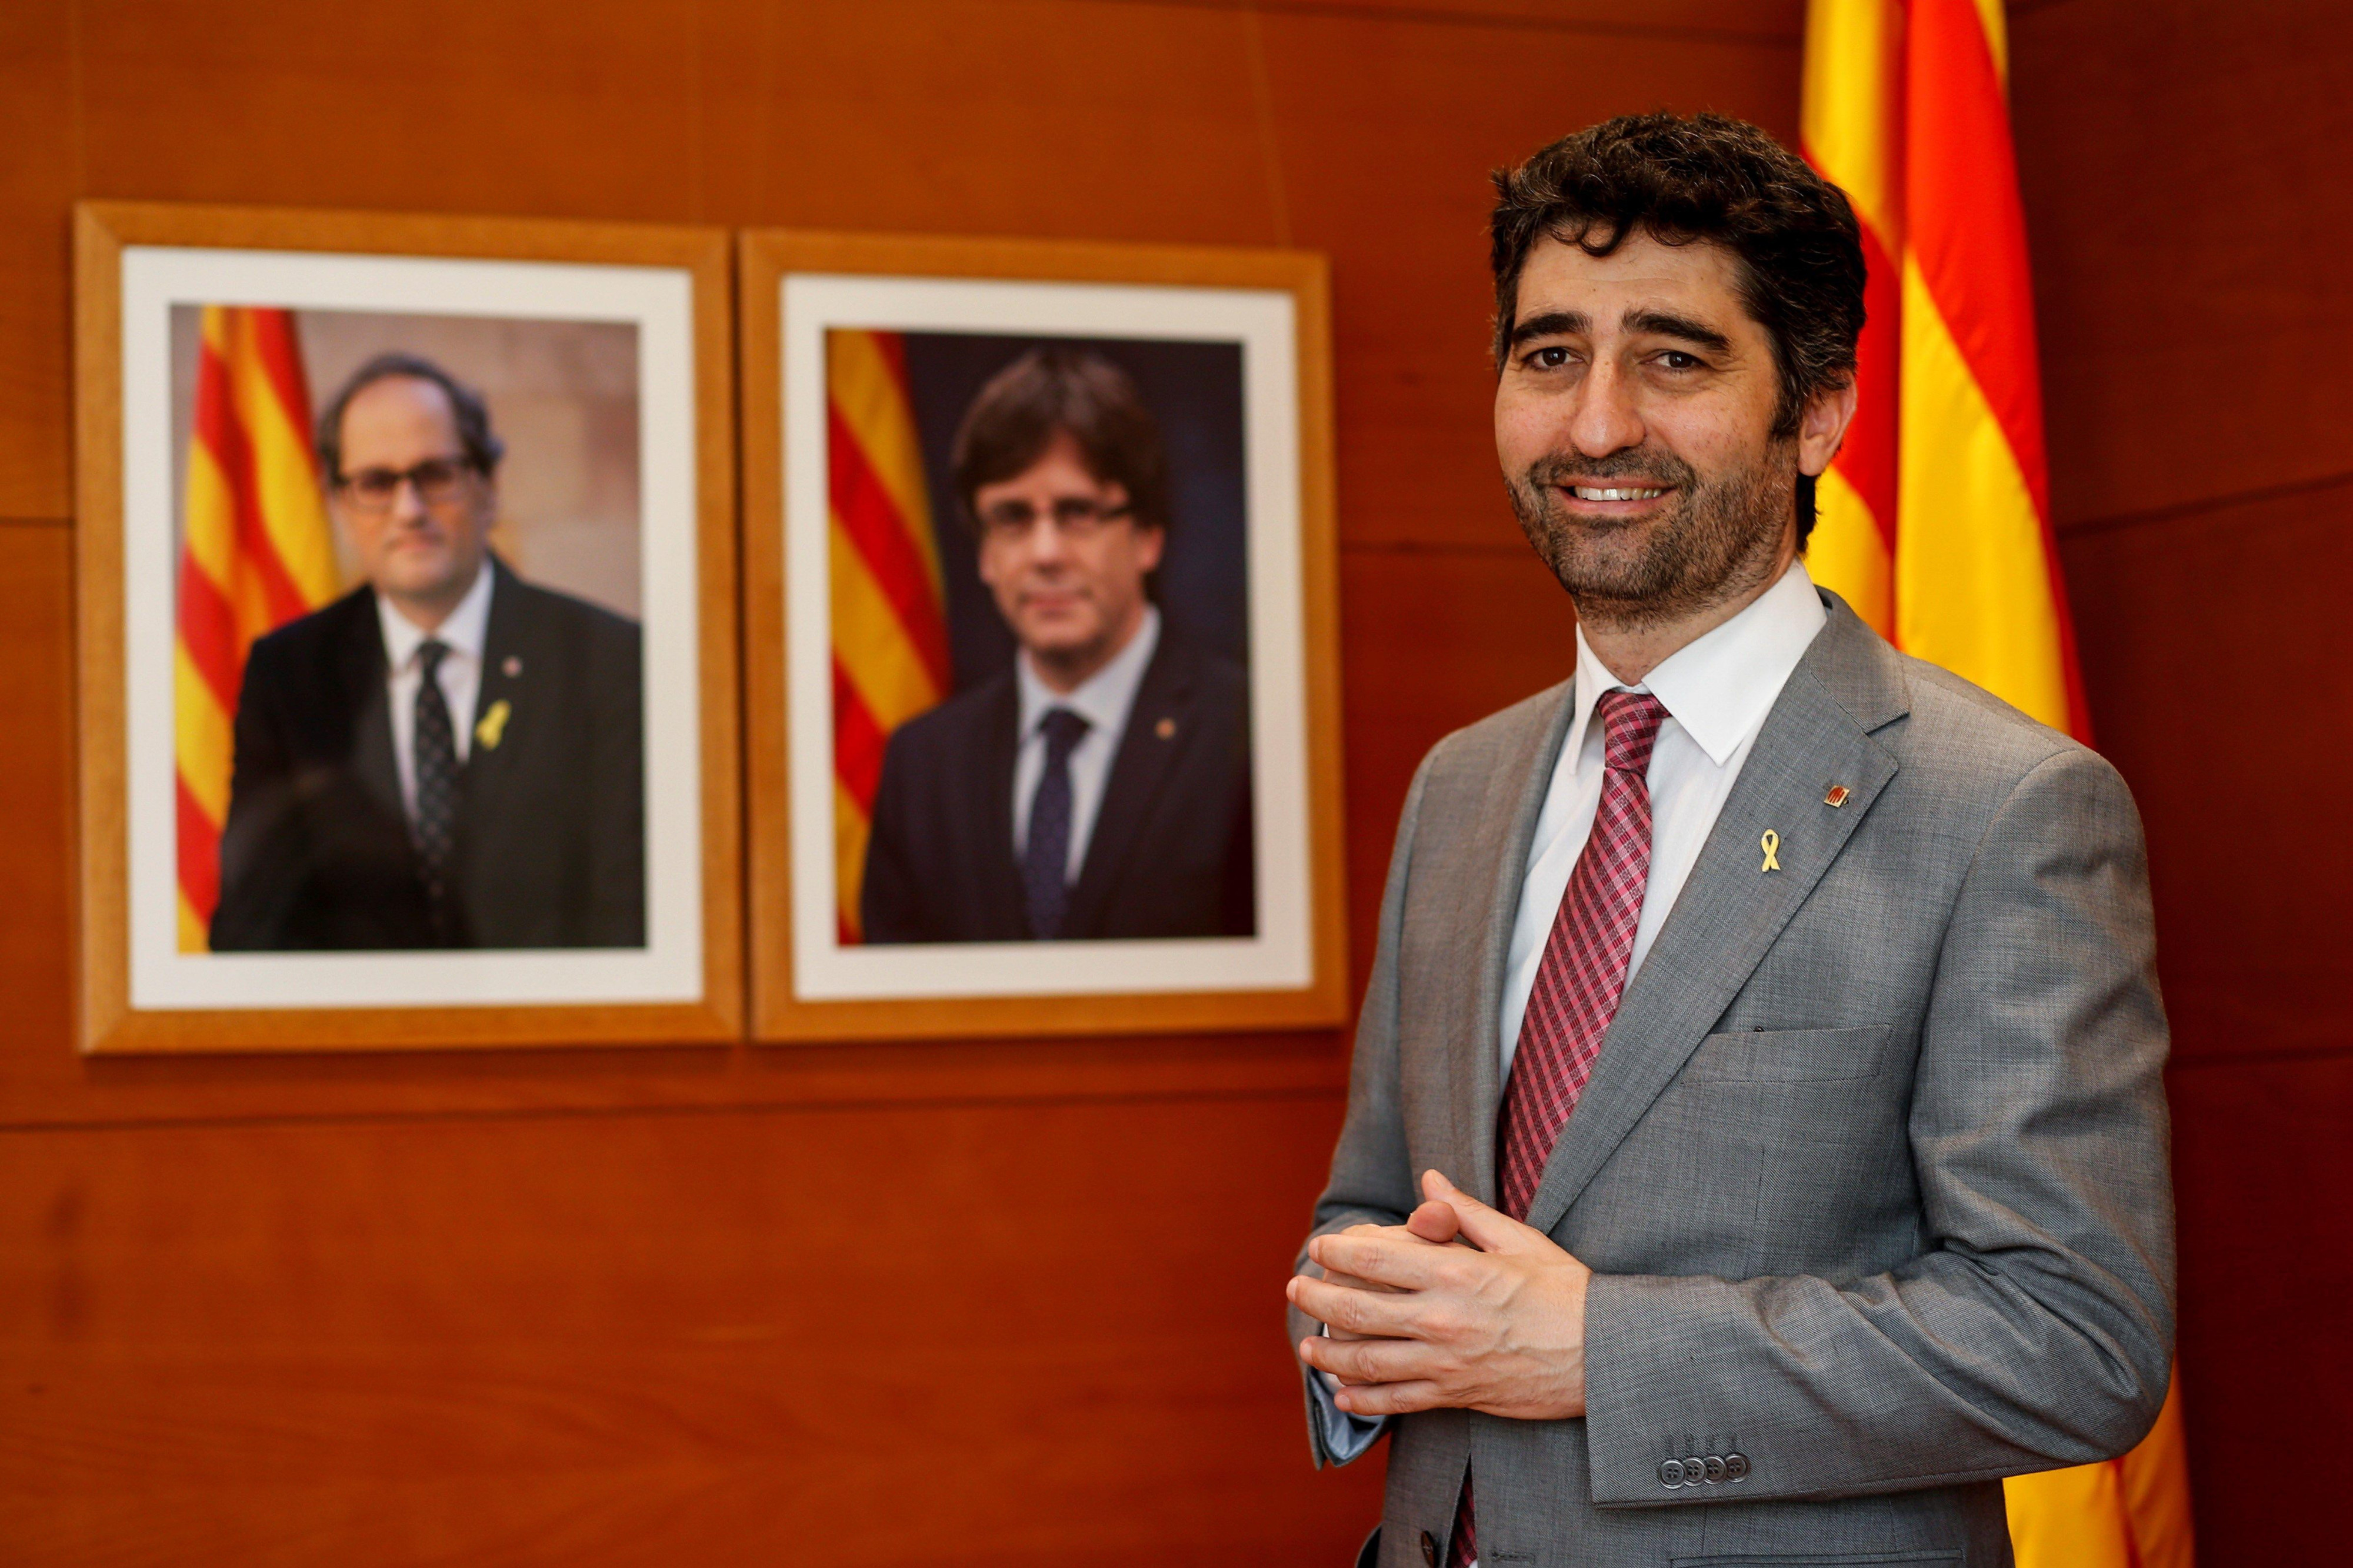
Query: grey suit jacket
1873	1169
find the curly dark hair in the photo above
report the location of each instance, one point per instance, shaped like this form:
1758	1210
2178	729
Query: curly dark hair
1707	178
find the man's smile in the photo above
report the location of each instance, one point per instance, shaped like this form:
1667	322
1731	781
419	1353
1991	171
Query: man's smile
1614	501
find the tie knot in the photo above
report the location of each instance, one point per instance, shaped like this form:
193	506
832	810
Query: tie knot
1630	727
429	655
1063	729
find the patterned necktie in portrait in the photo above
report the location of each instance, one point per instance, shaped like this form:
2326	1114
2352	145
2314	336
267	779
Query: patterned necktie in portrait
1579	979
1045	859
437	779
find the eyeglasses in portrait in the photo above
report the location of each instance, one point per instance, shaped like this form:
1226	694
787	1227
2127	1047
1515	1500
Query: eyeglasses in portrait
1046	587
413	574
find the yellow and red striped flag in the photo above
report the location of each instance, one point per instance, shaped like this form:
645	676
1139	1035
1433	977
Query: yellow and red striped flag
890	616
256	554
1935	519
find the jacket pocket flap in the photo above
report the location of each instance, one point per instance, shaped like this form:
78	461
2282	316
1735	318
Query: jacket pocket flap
1790	1055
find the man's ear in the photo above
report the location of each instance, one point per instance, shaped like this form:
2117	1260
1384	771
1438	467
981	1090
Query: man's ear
1149	544
1822	428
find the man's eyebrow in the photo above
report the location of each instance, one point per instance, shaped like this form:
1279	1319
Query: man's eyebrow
1664	324
1551	325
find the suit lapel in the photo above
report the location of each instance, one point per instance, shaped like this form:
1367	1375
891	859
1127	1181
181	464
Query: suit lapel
992	827
513	665
1159	729
1496	866
363	677
1731	910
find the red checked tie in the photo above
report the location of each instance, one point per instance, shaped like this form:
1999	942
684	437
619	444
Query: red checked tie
1578	980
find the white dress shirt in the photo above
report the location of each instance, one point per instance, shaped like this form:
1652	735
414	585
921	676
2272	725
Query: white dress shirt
1103	699
460	674
1716	690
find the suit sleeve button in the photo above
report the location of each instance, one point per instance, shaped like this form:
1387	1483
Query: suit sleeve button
1429	1549
1715	1469
1670	1473
1736	1467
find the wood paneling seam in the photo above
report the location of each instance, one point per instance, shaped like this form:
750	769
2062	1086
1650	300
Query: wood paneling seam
1341	10
507	1114
2180	510
2207	1060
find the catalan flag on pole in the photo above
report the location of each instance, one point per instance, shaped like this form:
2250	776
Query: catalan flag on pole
256	553
890	617
1935	517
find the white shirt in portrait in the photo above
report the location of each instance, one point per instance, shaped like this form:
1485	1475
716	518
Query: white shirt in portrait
1103	700
460	674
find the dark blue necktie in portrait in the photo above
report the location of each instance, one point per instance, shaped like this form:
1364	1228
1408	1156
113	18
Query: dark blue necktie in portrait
1045	859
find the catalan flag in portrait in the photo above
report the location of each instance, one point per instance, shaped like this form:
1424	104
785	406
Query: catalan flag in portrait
889	607
256	554
1935	519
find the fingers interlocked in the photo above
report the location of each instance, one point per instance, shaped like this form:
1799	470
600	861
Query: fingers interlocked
1458	1306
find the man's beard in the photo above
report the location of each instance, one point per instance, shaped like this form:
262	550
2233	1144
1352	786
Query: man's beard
1720	538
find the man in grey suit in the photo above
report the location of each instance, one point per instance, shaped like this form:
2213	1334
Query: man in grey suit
1756	1147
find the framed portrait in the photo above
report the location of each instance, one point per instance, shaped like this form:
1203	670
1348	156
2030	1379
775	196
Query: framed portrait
1042	687
408	632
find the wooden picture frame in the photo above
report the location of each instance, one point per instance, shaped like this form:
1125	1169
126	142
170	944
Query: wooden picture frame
806	979
142	987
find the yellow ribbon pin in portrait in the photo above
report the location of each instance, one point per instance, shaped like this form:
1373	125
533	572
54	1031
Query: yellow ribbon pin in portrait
1771	845
493	727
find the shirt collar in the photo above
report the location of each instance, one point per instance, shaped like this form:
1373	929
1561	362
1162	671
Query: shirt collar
1103	698
463	631
1719	687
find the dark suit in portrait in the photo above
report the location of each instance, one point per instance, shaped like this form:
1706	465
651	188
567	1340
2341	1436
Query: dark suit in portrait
549	848
1172	851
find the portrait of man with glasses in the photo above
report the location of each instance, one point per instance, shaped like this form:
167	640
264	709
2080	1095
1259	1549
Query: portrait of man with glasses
1098	785
448	756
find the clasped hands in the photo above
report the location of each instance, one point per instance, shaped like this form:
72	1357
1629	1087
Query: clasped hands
1460	1306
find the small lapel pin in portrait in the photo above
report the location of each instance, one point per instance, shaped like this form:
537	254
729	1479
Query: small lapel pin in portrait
1836	796
1165	729
1771	845
493	727
513	667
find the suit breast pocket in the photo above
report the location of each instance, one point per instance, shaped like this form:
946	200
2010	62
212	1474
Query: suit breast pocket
1790	1055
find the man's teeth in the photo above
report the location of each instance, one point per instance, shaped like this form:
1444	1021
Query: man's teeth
1593	492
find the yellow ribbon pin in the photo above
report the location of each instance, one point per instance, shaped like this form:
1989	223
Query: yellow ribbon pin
1770	844
493	727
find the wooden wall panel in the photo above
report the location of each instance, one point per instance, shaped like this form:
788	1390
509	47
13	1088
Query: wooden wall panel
2229	621
38	178
1753	21
1434	639
972	1335
434	105
1039	118
2188	207
2260	1168
37	694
